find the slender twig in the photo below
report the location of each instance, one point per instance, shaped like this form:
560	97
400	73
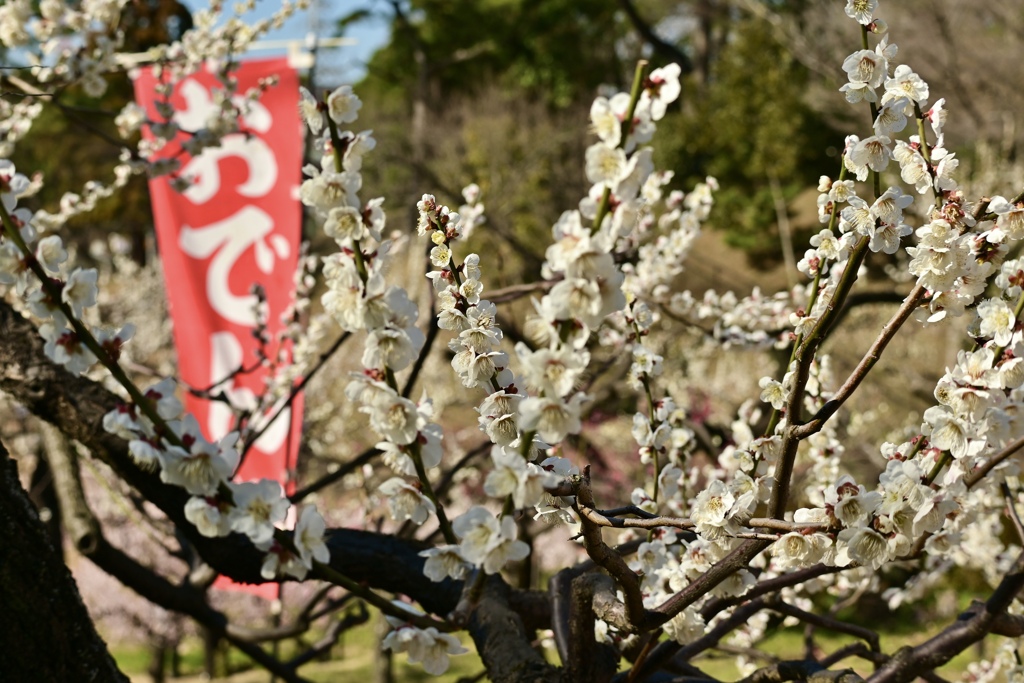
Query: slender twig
650	522
337	475
513	292
297	389
830	623
910	303
977	475
1011	510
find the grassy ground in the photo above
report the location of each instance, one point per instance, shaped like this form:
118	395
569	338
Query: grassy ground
353	660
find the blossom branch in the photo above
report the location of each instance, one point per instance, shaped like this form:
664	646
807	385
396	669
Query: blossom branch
889	330
89	539
973	478
958	636
606	557
600	518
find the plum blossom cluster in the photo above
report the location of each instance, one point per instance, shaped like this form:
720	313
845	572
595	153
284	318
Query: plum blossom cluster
15	122
159	438
80	43
660	260
176	447
75	44
609	272
582	258
485	541
170	133
37	269
929	498
74	204
755	320
427	646
359	299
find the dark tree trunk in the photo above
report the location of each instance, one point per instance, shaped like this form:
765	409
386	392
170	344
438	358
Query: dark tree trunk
46	633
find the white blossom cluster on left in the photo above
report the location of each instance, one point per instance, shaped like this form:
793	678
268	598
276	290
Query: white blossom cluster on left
37	270
159	436
204	468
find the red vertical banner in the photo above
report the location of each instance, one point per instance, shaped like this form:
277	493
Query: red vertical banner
236	224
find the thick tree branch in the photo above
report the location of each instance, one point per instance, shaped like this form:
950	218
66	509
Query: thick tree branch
503	642
971	627
589	660
88	538
46	632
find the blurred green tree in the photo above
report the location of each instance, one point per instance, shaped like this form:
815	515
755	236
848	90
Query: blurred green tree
751	127
743	116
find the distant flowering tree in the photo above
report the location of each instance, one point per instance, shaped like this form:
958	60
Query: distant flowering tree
715	539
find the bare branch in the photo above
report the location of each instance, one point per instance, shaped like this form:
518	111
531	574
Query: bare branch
889	331
667	50
606	557
977	475
503	642
588	659
869	636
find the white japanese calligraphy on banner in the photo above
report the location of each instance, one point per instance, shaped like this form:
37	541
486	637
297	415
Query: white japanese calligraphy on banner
234	226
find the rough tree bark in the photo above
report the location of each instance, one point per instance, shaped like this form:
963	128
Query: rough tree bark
46	632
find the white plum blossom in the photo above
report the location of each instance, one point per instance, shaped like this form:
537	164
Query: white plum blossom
661	89
345	224
850	503
428	646
343	105
80	291
209	516
309	537
685	627
773	392
258	507
605	165
863	546
395	418
552	371
861	11
1010	216
947	431
997	320
866	66
51	253
406	501
869	154
487	542
606	117
905	84
552	418
444	562
309	110
886	237
514	476
711	510
204	466
796	549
